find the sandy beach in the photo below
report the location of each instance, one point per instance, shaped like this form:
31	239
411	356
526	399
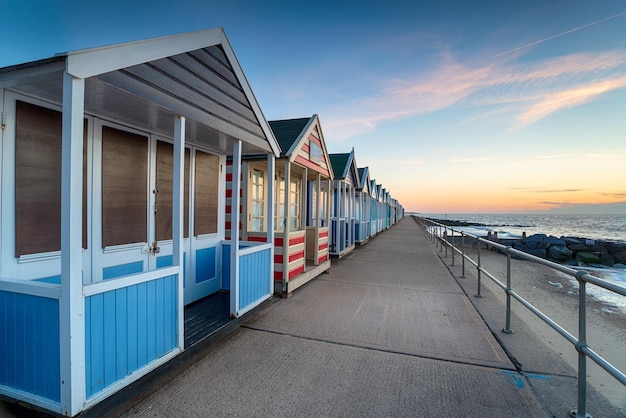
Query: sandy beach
555	295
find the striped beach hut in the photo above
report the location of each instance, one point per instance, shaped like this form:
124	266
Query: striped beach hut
343	217
113	211
302	186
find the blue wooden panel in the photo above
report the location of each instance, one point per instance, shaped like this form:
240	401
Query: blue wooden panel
127	328
205	265
165	261
254	277
29	347
133	328
332	238
122	270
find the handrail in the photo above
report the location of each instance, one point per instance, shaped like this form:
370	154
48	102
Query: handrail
441	239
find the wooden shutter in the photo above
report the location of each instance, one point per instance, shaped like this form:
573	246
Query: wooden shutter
124	187
38	148
164	178
206	193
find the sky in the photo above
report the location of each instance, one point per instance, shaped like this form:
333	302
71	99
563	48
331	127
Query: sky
455	106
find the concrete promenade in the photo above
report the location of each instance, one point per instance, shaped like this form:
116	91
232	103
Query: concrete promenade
389	332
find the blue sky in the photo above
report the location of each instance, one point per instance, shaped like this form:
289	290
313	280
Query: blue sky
456	107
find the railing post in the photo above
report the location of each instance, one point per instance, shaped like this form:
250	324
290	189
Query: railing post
440	238
452	246
507	328
462	255
444	242
478	295
581	411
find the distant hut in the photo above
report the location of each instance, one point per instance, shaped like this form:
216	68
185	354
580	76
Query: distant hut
362	229
345	183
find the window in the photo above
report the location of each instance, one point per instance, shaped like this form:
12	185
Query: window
257	201
294	205
124	187
38	143
206	193
323	203
280	205
164	190
293	211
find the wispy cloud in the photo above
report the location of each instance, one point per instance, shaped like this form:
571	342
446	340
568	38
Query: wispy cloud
558	35
473	159
575	96
399	98
525	92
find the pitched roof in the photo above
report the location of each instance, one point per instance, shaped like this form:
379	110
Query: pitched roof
340	163
287	132
148	83
363	178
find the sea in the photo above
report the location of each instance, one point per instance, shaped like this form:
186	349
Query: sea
605	227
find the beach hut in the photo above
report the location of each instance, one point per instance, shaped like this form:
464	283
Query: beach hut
386	209
302	181
380	209
373	208
113	208
362	230
342	221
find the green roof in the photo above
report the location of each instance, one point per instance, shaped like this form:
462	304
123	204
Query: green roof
340	164
363	173
287	132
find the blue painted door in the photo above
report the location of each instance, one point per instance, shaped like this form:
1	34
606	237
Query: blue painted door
206	226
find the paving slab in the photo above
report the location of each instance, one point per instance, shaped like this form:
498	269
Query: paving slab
423	323
261	374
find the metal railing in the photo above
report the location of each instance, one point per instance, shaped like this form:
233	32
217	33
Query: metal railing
440	234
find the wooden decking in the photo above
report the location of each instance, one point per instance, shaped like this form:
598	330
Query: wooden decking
204	317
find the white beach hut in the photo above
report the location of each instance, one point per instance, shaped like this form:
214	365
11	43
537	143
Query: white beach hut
113	211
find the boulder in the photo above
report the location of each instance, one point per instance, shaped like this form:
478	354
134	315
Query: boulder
577	247
555	241
536	238
615	247
606	259
620	257
572	240
532	245
587	258
543	245
537	252
560	252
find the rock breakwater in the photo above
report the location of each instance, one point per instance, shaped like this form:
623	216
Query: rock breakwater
571	251
574	251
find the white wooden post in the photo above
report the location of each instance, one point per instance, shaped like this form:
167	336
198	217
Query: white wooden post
338	205
178	206
234	230
72	303
329	198
318	220
303	200
286	225
271	169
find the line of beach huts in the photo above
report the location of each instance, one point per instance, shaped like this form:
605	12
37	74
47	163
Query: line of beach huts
124	171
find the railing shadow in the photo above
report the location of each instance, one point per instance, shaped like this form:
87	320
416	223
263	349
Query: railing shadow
445	238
